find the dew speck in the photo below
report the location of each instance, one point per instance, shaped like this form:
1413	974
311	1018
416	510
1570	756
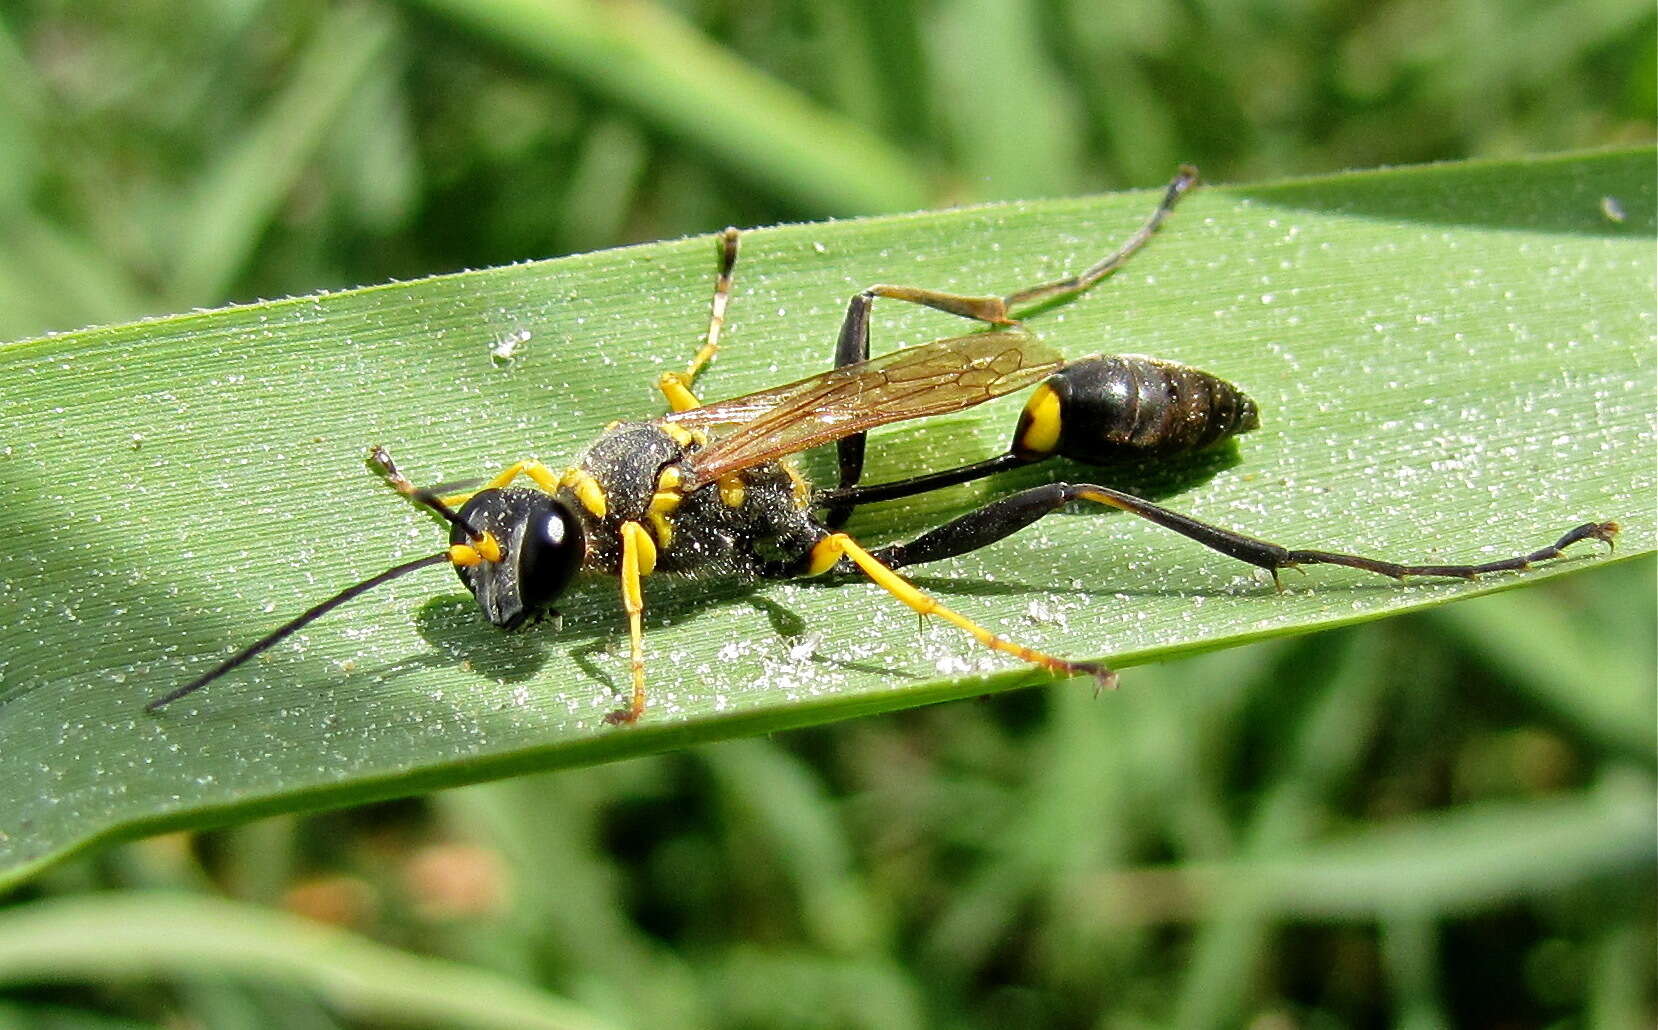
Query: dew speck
952	665
804	648
1042	613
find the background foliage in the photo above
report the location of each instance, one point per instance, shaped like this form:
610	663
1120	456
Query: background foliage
1387	825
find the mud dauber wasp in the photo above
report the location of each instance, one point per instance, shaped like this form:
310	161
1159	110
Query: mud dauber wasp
709	489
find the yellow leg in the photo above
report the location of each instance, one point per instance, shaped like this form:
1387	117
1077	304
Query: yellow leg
716	309
831	548
676	386
638	561
542	475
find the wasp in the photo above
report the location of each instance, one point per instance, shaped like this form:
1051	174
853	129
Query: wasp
711	489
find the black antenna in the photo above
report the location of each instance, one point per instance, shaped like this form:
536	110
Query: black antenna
292	626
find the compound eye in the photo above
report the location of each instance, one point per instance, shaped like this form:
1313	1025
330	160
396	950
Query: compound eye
550	554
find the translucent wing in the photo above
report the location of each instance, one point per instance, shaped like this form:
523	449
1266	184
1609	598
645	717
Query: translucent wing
934	378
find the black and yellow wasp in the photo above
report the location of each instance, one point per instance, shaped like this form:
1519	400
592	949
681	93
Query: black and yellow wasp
709	489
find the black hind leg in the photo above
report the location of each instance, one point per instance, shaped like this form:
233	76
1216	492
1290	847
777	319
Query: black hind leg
853	345
1007	516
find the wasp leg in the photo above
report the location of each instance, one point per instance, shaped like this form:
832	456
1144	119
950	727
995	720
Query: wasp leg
853	344
483	544
853	347
1007	516
829	551
541	474
380	460
638	561
676	386
925	483
1177	188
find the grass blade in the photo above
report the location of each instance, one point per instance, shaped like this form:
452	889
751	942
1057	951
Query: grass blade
102	937
648	60
1441	377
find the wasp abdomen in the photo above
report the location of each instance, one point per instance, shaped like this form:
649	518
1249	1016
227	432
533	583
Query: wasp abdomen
1103	410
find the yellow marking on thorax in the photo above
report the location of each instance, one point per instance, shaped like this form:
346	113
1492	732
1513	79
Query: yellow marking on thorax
662	527
679	434
587	490
797	484
1041	420
668	494
732	491
665	501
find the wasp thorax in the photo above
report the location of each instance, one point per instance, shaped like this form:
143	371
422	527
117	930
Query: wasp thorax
542	547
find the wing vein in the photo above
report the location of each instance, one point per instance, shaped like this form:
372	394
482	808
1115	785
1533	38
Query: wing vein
931	379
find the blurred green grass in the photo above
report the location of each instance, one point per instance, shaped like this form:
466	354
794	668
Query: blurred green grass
1040	859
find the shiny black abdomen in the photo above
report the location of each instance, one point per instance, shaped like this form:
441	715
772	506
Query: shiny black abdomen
1123	407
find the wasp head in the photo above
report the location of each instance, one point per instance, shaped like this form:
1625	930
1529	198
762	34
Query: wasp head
542	547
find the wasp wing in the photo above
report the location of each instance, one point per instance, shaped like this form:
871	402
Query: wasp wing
932	379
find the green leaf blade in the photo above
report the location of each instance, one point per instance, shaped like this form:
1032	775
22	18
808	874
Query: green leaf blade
1438	387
